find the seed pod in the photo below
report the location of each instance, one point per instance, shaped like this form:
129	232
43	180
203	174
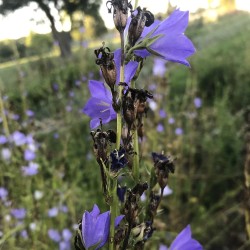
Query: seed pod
141	19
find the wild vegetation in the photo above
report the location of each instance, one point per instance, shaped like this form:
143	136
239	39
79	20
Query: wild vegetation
48	171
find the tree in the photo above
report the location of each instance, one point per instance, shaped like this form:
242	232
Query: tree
89	7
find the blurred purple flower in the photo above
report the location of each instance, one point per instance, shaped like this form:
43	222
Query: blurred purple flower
6	154
56	135
54	235
152	104
19	138
30	113
3	193
64	245
159	68
160	127
81	29
184	241
172	44
178	131
55	86
24	234
78	83
171	120
84	44
31	169
29	155
53	212
162	113
68	108
71	93
95	227
152	87
197	102
66	234
3	139
64	209
18	213
15	117
99	106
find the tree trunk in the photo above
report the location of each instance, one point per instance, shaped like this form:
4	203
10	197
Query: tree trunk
63	38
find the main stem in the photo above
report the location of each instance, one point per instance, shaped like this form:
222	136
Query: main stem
114	203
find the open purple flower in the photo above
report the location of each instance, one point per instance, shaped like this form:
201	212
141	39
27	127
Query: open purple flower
166	39
99	106
184	241
95	227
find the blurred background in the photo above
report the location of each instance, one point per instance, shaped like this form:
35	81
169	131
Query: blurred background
199	115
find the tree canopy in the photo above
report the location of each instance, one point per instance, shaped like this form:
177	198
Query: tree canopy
89	7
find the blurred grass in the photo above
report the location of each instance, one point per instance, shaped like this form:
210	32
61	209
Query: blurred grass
208	182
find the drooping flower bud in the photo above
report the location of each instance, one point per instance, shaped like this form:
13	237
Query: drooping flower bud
141	19
163	165
105	59
120	13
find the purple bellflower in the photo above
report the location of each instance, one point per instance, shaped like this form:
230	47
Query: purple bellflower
95	227
184	241
166	39
99	106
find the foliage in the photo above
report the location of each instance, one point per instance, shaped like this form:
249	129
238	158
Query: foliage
207	187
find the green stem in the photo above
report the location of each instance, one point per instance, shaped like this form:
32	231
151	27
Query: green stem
135	169
113	212
114	202
5	122
119	114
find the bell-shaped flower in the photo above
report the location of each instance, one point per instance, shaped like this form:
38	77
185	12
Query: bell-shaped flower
99	106
95	228
166	39
183	241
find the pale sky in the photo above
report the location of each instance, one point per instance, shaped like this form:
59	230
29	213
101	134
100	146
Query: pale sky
19	23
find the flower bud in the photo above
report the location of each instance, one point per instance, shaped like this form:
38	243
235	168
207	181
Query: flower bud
120	13
105	59
139	21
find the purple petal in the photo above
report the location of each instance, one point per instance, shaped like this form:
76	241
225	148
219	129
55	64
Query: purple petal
95	211
175	48
102	229
129	70
88	229
185	242
177	22
142	53
118	220
99	91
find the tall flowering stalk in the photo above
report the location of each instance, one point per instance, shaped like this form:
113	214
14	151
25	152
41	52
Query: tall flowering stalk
117	153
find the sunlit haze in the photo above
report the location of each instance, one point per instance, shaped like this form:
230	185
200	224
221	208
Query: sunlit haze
23	21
